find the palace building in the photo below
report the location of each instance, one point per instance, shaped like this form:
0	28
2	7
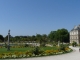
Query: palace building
75	34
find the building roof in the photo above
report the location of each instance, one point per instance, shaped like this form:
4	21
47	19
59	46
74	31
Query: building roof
76	28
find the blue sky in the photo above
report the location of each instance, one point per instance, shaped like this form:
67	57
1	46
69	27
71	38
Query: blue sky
28	17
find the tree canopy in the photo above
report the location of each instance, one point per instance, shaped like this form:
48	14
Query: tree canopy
61	35
1	38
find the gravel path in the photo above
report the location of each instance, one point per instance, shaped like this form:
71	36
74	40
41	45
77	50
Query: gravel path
75	55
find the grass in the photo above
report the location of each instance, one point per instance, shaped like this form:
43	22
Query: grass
4	50
49	48
12	50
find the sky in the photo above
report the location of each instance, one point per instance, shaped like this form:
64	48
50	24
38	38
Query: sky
31	17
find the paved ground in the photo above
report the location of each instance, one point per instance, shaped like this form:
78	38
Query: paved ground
75	55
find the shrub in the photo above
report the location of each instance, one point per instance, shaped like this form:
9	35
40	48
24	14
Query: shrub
36	51
5	45
28	53
63	46
49	52
26	45
55	43
74	44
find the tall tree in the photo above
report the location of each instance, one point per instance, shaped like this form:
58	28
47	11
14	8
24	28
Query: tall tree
1	38
62	35
51	36
44	39
39	38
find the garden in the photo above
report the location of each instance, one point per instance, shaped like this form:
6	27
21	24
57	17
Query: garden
35	46
26	52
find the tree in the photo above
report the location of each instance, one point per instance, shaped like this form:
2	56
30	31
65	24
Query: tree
33	38
1	38
62	35
6	38
74	44
51	36
44	39
39	38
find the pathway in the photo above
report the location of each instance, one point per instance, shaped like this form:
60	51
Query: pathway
75	55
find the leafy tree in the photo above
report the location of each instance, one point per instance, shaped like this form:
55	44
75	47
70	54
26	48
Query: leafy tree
6	38
74	44
1	38
62	35
39	38
36	50
63	46
44	39
33	38
51	36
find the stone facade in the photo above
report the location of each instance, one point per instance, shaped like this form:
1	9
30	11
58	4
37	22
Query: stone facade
75	34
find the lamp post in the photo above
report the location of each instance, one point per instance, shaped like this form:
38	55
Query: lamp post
8	46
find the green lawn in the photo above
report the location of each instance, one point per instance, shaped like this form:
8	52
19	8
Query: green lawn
4	50
49	48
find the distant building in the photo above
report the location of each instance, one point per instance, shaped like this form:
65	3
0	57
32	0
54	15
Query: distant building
75	34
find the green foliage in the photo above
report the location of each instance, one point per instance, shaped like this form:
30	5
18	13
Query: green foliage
51	36
63	46
55	43
26	45
5	45
74	44
61	35
29	52
36	51
1	38
43	44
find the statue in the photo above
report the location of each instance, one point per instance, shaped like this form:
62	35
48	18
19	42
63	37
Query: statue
8	46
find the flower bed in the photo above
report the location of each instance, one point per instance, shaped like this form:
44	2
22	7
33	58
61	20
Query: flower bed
33	53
